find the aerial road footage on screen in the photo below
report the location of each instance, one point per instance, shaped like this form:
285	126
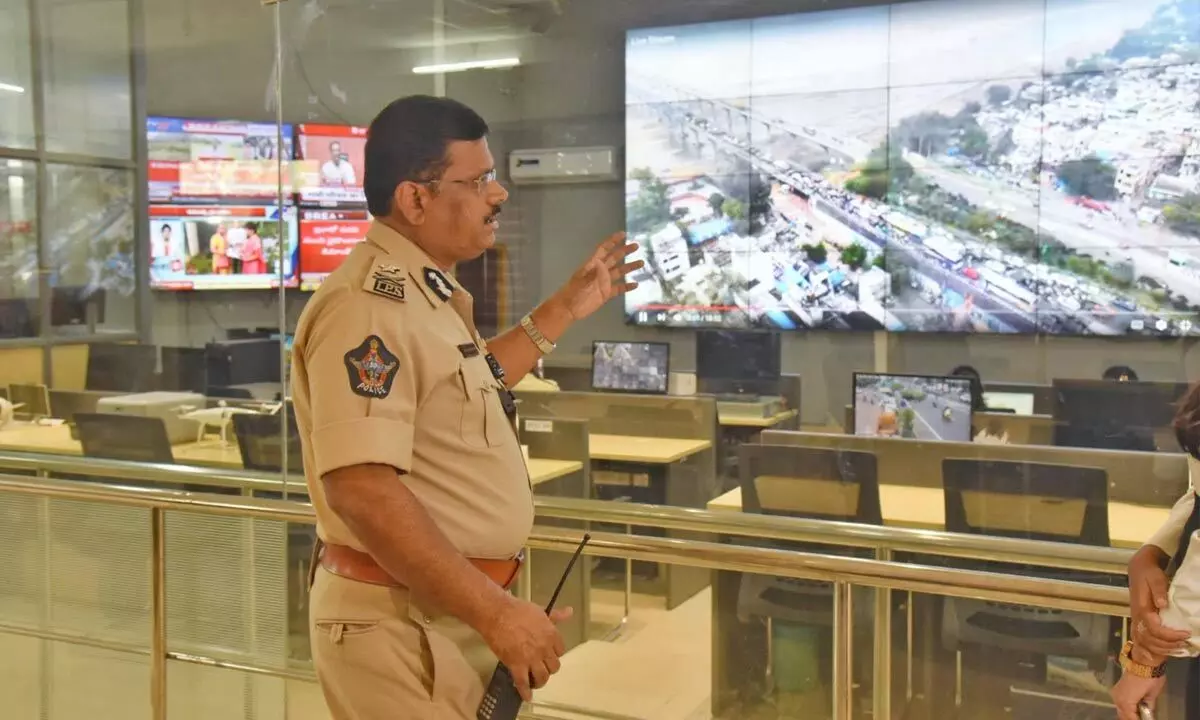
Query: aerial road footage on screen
1010	166
921	408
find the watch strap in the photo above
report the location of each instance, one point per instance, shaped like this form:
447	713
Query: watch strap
543	345
1129	665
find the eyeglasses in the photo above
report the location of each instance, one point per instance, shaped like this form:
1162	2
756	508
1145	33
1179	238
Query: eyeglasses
480	183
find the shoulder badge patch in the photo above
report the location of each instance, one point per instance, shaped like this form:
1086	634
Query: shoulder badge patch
438	283
387	281
371	368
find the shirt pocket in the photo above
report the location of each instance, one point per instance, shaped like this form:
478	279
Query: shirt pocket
483	423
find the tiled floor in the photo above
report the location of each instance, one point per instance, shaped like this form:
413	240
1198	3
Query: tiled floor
658	668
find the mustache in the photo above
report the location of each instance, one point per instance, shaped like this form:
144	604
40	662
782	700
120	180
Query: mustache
496	210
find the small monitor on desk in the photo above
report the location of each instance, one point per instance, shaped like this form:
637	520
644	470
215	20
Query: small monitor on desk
1019	403
731	362
1116	415
921	407
121	367
631	367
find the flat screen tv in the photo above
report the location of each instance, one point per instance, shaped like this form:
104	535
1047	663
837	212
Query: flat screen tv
326	238
1001	166
330	165
195	160
222	247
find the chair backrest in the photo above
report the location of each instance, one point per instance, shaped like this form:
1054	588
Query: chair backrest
34	400
261	443
115	436
810	483
66	404
1035	501
184	369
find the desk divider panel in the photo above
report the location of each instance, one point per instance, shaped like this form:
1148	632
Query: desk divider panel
1140	478
636	415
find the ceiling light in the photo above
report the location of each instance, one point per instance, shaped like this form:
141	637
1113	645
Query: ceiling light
5	87
472	65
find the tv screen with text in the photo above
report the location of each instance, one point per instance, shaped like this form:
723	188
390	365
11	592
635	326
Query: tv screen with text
329	172
210	247
326	238
206	160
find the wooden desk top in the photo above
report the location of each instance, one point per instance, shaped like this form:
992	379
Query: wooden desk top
636	449
761	422
542	470
924	508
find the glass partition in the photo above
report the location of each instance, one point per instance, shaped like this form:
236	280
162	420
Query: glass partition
946	283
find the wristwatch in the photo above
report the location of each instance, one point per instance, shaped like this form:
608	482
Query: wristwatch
543	345
1129	665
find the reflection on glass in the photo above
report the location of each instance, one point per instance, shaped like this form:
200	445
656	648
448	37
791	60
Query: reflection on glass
90	236
16	98
18	249
85	64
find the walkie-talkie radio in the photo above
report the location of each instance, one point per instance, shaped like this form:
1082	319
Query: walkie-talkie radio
501	701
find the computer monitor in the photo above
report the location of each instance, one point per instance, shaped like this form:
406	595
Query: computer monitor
121	367
636	367
733	362
1019	403
69	305
920	407
1114	415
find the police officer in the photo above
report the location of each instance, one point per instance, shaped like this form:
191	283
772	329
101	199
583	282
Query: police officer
422	497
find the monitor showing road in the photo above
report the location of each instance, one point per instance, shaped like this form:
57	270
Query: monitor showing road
1010	166
912	406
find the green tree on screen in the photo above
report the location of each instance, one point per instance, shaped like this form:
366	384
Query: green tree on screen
854	256
1090	177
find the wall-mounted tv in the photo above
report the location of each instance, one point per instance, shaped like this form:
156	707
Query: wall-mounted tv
1006	166
221	247
214	160
329	172
326	238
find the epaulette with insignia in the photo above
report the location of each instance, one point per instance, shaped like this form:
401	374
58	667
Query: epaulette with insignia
386	279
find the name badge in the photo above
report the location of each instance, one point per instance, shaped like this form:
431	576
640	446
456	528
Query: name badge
469	350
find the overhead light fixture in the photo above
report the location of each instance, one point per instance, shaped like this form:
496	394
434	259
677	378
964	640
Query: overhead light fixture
6	87
472	65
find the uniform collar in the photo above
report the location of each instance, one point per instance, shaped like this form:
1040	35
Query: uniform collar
434	284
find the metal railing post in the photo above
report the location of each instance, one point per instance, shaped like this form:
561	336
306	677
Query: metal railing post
843	650
158	619
882	662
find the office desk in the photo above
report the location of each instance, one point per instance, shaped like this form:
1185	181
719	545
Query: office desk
643	450
56	440
749	421
918	507
678	477
543	471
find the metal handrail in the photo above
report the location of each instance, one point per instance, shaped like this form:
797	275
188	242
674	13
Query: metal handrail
879	538
842	573
1054	594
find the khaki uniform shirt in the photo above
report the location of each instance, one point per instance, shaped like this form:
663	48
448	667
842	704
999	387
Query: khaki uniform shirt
388	369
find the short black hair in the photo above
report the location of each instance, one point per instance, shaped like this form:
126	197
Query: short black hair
407	142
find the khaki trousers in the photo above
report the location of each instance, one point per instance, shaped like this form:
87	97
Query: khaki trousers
378	656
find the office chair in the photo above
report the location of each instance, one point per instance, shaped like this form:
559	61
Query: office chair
1032	501
260	442
33	398
803	482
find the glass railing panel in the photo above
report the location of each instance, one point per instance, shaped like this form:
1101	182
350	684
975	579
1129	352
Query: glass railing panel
985	660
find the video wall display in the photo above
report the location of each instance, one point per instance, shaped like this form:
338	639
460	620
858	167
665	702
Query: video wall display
326	238
222	247
1006	166
215	213
331	164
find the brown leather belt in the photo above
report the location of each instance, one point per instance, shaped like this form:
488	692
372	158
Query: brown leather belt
349	563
